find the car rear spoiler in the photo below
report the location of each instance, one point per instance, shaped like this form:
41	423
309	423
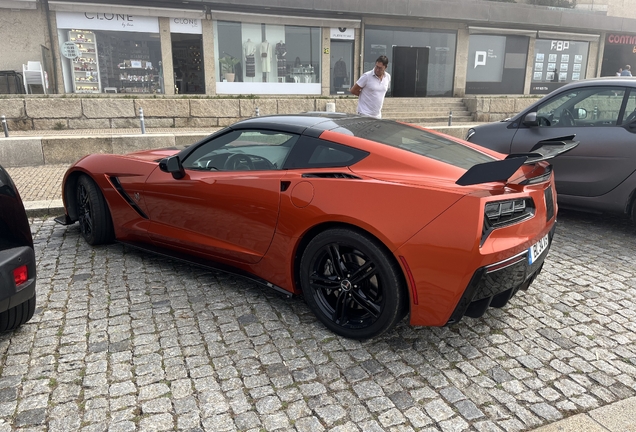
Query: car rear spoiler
502	170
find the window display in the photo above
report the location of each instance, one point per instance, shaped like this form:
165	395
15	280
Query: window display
497	64
564	60
85	66
265	59
99	56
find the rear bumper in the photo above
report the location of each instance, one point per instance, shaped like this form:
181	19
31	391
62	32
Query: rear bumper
10	259
495	284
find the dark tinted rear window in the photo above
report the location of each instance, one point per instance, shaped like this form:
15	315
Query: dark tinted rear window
414	140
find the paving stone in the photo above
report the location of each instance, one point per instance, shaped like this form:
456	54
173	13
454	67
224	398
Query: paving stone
146	343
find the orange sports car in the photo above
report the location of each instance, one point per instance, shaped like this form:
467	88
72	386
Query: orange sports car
369	219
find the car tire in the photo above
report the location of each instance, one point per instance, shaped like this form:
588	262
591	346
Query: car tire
13	318
96	224
352	304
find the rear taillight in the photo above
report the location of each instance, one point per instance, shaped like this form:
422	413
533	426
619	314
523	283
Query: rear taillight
20	275
498	214
508	212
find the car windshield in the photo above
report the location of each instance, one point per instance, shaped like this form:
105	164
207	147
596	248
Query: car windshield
416	141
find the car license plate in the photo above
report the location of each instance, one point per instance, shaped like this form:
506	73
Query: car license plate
537	249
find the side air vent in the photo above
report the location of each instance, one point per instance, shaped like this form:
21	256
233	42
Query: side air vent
331	175
119	188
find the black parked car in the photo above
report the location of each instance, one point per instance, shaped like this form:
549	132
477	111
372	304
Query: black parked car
17	258
600	174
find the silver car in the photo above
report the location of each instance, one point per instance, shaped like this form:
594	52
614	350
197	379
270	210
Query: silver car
600	174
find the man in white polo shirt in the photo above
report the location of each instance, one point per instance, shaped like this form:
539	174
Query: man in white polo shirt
371	88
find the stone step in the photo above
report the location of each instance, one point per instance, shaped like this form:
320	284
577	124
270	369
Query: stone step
440	108
424	103
425	112
417	119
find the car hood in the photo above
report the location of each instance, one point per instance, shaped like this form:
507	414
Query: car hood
156	154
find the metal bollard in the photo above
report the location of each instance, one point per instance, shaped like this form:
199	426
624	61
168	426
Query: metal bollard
257	112
4	126
141	119
450	118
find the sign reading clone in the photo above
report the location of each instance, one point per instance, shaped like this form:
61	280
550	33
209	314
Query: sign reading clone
107	21
185	25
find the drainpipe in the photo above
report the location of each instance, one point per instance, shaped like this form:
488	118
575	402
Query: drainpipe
47	12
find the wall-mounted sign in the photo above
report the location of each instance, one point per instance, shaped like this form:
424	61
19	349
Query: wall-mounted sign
486	54
343	33
107	21
185	25
69	50
556	63
620	39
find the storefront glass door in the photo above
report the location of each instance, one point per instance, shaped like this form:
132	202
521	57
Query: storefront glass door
341	66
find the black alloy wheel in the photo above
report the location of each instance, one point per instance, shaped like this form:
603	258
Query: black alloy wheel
352	284
96	225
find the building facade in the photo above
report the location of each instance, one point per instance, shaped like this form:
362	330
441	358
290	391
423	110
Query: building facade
311	48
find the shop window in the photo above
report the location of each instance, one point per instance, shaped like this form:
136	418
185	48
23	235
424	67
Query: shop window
111	62
556	63
496	64
441	62
267	54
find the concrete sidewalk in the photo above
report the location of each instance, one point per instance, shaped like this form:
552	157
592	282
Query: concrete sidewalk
40	189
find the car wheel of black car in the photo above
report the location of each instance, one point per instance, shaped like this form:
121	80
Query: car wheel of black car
352	284
94	217
13	318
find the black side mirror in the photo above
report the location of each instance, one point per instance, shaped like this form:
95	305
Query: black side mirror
172	165
531	119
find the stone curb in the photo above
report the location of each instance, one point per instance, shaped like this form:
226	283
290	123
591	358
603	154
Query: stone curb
616	417
44	208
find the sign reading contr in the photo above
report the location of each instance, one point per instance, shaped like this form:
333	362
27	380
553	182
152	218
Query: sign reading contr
69	50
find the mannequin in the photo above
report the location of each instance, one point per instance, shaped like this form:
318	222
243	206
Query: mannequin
266	59
249	49
281	61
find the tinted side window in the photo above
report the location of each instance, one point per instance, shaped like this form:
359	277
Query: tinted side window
316	153
596	106
630	108
242	150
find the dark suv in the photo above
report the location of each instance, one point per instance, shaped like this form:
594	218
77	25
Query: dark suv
17	258
599	175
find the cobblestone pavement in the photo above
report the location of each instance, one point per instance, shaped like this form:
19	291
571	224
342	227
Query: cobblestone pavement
39	183
123	340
